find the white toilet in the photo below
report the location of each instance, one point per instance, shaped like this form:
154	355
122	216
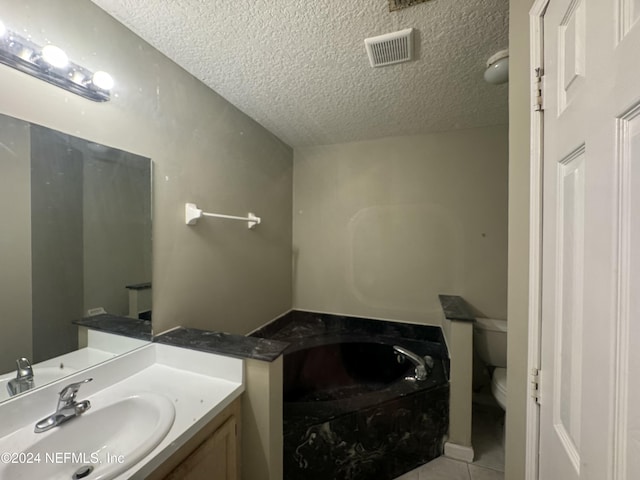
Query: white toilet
490	342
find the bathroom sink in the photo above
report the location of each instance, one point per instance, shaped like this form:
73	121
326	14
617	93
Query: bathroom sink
98	445
41	376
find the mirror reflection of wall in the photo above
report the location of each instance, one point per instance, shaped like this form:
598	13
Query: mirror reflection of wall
76	231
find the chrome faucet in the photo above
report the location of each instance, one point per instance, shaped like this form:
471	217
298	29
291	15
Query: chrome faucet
67	408
423	366
23	380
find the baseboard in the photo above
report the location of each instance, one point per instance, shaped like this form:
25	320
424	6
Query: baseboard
458	452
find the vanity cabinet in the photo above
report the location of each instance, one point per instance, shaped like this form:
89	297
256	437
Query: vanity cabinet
212	454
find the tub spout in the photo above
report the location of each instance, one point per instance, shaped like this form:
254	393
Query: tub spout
423	366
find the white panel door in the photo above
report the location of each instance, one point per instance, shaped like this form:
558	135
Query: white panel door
590	350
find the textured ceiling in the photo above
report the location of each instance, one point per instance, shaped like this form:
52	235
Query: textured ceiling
300	68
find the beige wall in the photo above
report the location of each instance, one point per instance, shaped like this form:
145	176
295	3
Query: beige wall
519	111
382	227
15	233
216	275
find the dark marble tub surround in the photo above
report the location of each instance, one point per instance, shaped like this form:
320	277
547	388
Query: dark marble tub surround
303	329
322	404
377	443
455	308
237	346
371	429
117	325
308	329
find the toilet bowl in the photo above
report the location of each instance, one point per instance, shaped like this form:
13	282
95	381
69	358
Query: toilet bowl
499	387
490	342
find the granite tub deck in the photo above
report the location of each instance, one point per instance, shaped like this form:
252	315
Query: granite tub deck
349	412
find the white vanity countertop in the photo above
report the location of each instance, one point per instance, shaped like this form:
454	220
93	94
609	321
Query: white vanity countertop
200	385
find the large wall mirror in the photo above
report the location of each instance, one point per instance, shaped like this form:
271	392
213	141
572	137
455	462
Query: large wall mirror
76	232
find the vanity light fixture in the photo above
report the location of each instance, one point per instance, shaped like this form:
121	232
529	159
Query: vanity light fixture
51	64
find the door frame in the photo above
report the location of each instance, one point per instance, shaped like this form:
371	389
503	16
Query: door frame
536	57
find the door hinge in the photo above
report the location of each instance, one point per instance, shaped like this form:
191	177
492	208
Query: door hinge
539	90
534	384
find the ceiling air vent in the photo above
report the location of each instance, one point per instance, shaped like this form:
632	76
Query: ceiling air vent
390	48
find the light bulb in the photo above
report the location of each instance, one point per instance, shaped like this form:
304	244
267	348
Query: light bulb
55	56
102	80
77	77
25	54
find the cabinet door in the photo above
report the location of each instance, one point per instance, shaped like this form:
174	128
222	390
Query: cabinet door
214	459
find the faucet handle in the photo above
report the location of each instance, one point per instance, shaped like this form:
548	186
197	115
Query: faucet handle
23	369
428	360
68	393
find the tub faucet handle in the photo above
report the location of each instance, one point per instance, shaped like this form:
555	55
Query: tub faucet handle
428	359
423	366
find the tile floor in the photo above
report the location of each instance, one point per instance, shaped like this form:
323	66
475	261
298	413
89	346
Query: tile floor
487	439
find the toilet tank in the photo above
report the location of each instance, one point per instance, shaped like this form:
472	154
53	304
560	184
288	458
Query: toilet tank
490	341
